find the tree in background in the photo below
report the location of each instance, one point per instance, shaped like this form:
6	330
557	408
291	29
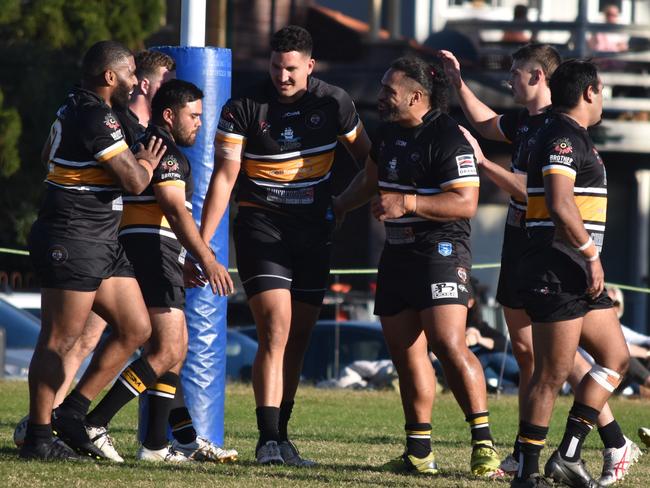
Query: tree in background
41	45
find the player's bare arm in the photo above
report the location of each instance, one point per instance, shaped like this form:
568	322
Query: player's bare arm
171	199
227	165
134	172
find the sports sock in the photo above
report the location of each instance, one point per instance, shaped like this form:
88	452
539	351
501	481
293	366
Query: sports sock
161	395
516	450
612	435
136	378
267	424
76	402
581	420
37	433
418	439
283	423
479	424
531	440
180	420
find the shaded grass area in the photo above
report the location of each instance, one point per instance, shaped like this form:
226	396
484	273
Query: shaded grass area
350	434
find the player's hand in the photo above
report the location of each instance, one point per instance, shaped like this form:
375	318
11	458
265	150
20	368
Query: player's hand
595	278
339	212
388	205
192	275
152	152
478	152
452	67
472	336
218	278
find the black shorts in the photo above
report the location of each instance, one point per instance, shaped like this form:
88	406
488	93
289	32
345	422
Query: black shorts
419	283
553	288
70	264
515	240
276	251
162	295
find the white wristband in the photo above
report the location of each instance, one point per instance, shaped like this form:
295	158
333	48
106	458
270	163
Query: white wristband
595	257
589	242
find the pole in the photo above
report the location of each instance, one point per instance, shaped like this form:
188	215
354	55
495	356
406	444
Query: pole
394	18
374	16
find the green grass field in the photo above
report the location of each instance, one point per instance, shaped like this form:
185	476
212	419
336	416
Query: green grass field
350	433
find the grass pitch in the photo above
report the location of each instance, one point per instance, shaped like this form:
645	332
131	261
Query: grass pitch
350	434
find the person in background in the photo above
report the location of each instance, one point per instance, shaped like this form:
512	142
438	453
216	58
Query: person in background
607	42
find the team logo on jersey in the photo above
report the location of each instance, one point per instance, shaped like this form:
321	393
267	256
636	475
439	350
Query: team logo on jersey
562	146
264	126
444	290
111	122
288	141
466	166
462	274
169	164
391	170
445	248
415	156
58	254
315	120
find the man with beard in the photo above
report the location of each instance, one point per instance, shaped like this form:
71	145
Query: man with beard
562	279
282	136
532	67
73	244
425	172
155	231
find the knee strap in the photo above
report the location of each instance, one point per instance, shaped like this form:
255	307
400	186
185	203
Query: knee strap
605	377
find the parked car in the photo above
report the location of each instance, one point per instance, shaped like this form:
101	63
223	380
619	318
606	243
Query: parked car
358	341
240	354
25	300
21	331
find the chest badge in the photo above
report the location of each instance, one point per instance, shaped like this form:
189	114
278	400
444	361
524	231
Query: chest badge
391	170
288	141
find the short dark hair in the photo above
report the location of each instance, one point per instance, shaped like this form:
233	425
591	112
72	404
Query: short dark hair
431	76
147	63
101	56
569	82
543	54
292	38
174	94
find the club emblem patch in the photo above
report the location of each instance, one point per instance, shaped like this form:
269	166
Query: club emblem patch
445	248
562	146
58	254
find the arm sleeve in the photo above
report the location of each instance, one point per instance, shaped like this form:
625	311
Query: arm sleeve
561	156
233	122
171	170
456	162
101	133
508	123
349	123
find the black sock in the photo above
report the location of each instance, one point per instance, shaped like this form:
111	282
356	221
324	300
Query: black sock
267	424
612	435
516	450
136	378
76	402
418	439
161	396
479	424
180	419
531	440
38	433
582	419
283	424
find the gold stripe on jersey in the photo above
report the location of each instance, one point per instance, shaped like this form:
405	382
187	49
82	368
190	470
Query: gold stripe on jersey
230	137
352	136
143	214
178	183
301	168
80	176
592	208
463	182
559	169
111	151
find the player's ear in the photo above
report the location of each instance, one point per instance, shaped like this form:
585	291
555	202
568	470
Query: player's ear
110	77
168	116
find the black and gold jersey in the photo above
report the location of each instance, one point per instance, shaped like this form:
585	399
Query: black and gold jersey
428	159
521	129
288	149
83	200
142	214
565	148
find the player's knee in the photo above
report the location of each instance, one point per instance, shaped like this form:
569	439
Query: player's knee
523	353
606	377
552	379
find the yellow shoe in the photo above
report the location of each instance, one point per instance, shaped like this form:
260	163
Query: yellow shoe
408	463
485	459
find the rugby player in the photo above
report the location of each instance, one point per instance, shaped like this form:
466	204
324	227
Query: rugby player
562	279
279	140
428	190
73	243
531	70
